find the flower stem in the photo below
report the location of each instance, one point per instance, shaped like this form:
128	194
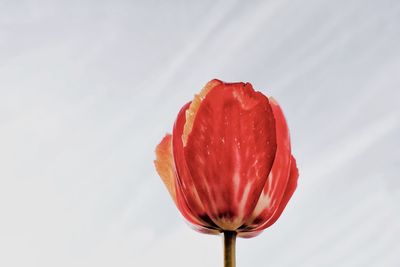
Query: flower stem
229	249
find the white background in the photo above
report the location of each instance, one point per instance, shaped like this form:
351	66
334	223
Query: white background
88	89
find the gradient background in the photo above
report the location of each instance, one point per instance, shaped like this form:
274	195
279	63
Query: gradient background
88	88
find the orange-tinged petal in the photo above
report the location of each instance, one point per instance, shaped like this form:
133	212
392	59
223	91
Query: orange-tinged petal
230	151
165	164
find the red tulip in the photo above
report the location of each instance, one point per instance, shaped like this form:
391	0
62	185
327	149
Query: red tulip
228	163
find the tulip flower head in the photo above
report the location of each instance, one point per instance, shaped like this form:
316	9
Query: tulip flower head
228	164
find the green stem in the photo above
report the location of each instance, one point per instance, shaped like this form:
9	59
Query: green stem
229	249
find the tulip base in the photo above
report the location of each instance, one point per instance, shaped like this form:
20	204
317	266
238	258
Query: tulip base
229	249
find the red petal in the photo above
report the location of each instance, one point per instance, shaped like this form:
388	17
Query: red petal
187	195
166	169
290	188
277	180
230	151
